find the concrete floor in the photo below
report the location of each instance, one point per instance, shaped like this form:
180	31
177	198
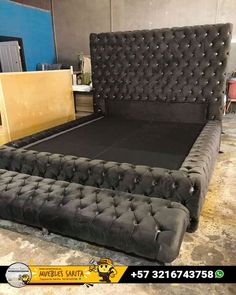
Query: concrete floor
212	244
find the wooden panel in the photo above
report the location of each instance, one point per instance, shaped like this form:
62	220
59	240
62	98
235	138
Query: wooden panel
3	136
43	4
34	101
84	102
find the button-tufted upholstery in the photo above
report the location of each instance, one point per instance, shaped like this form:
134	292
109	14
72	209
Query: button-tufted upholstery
149	73
163	75
188	185
149	227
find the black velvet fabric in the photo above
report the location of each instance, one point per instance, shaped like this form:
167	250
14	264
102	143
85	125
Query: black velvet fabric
152	144
162	94
188	185
148	227
168	112
176	66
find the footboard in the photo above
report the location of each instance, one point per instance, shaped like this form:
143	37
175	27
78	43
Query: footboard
149	227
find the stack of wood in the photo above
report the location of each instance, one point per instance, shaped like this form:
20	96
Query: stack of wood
84	104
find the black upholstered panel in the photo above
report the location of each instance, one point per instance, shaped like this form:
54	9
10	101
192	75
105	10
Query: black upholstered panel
166	144
178	65
149	227
52	131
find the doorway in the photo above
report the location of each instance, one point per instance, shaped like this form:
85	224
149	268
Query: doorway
12	58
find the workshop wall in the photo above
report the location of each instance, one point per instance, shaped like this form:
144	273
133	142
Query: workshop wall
76	19
34	26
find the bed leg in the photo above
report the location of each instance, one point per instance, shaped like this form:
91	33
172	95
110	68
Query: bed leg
45	232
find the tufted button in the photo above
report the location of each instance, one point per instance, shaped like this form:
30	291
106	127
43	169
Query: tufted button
156	234
154	183
174	185
191	189
136	180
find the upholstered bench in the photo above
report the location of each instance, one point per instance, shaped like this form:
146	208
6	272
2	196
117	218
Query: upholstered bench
146	226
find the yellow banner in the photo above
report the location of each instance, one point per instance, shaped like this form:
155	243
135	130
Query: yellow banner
97	273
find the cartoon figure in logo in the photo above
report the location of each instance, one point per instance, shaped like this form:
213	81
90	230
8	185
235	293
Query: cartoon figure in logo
105	269
24	278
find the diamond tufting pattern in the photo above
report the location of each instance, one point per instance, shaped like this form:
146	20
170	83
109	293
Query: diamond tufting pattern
180	65
149	227
187	185
164	75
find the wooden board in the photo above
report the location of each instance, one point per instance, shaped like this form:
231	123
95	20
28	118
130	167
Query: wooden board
3	138
33	101
84	103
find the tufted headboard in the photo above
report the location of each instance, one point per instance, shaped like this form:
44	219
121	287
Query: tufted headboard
173	74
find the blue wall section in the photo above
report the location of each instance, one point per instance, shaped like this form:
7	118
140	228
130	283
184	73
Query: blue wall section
34	26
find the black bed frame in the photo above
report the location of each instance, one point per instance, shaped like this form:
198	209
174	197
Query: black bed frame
172	75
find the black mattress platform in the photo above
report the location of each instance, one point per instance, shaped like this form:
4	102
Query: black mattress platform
149	227
155	144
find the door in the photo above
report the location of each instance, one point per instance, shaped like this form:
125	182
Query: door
10	56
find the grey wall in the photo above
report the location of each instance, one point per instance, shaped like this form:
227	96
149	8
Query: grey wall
75	19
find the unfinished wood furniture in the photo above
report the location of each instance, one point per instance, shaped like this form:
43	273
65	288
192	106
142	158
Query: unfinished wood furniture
34	101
